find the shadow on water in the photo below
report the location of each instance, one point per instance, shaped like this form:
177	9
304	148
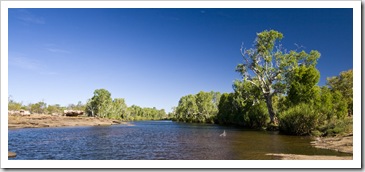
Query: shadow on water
156	140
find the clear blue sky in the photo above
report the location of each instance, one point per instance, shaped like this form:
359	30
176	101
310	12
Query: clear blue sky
152	57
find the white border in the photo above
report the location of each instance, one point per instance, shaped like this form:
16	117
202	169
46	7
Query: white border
355	163
4	83
357	117
180	4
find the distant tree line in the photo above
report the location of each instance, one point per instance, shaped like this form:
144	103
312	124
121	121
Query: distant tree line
42	108
100	105
278	90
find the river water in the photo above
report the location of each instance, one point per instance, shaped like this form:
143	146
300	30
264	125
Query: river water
155	140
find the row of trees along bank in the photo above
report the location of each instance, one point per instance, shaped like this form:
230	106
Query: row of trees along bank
42	107
278	89
100	105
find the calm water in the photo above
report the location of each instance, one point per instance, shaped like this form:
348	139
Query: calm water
150	140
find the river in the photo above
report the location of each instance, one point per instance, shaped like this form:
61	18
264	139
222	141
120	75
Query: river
155	140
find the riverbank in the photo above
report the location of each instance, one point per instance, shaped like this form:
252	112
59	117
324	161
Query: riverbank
11	154
338	143
41	121
309	157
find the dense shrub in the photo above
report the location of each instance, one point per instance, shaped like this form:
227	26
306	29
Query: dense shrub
234	110
257	116
336	126
298	120
332	104
198	108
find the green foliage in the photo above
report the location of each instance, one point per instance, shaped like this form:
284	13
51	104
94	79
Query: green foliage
303	89
266	41
187	109
325	104
207	103
300	119
329	107
339	105
343	84
226	110
242	108
246	92
231	110
39	108
134	113
102	105
119	109
316	133
256	116
332	104
201	108
336	126
12	105
138	113
54	109
36	108
281	103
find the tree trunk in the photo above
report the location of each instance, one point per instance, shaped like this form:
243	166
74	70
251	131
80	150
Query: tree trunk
268	99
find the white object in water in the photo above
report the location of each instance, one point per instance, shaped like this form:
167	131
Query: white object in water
223	134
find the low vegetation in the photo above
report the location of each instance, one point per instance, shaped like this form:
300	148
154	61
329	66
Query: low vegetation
300	119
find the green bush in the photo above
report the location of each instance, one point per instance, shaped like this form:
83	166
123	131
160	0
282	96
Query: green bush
257	116
336	126
298	120
316	133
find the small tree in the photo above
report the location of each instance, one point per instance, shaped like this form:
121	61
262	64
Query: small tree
100	104
89	108
54	109
12	105
40	107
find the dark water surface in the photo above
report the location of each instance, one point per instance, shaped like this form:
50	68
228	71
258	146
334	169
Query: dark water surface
155	140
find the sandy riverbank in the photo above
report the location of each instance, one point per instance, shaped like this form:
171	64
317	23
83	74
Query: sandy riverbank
309	157
40	120
338	143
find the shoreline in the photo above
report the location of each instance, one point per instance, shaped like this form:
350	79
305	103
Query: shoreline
46	121
282	156
337	143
